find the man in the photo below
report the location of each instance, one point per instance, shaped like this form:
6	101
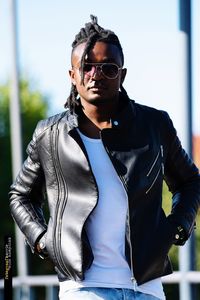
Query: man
102	164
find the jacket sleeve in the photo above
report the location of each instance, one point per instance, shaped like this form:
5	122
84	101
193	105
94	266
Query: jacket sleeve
183	180
27	195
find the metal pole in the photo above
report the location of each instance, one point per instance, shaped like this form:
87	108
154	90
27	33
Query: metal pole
15	128
185	253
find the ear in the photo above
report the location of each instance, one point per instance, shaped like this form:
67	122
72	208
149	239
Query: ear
72	76
123	75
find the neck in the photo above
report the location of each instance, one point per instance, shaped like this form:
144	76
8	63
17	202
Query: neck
100	113
96	117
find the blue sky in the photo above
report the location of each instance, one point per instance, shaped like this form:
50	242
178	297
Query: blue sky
149	33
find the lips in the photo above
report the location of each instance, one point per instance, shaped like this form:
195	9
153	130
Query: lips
97	87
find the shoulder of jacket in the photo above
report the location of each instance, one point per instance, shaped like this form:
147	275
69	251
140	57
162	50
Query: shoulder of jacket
151	112
45	124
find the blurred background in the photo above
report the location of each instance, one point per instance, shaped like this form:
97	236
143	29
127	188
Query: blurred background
161	44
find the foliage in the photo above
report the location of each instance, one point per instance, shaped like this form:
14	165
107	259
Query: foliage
167	205
33	106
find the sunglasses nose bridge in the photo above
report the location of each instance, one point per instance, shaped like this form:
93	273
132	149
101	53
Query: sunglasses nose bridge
96	70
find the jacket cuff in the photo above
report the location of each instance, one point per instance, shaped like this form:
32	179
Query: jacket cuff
188	228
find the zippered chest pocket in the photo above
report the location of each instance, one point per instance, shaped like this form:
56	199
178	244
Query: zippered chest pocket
156	169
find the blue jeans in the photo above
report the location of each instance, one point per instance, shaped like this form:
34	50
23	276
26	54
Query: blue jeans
93	293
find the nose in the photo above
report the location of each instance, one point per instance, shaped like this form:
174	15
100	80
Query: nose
96	72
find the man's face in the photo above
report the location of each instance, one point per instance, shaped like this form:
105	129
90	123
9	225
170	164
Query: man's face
97	88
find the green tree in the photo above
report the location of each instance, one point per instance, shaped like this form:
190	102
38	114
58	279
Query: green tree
33	107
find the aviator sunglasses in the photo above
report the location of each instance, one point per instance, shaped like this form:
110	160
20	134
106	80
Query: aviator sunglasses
108	70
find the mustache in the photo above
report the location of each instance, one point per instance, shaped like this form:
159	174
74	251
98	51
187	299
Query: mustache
96	85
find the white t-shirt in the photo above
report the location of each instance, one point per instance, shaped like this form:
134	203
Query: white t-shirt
106	230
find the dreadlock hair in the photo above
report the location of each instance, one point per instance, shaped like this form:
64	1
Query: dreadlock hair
90	34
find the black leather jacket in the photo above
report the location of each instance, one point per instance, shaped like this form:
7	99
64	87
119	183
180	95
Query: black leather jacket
144	149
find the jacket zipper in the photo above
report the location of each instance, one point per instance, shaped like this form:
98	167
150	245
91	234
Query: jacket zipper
129	232
162	156
160	152
57	228
129	235
58	167
153	164
147	191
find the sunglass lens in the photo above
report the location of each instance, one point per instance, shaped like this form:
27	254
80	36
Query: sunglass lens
110	70
87	68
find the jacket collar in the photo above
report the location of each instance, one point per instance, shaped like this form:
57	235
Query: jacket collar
121	120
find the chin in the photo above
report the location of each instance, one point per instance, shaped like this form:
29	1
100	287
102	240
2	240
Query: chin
99	100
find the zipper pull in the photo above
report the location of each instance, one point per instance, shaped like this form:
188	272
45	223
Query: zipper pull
133	280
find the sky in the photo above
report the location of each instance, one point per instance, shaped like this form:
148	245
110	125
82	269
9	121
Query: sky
149	31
